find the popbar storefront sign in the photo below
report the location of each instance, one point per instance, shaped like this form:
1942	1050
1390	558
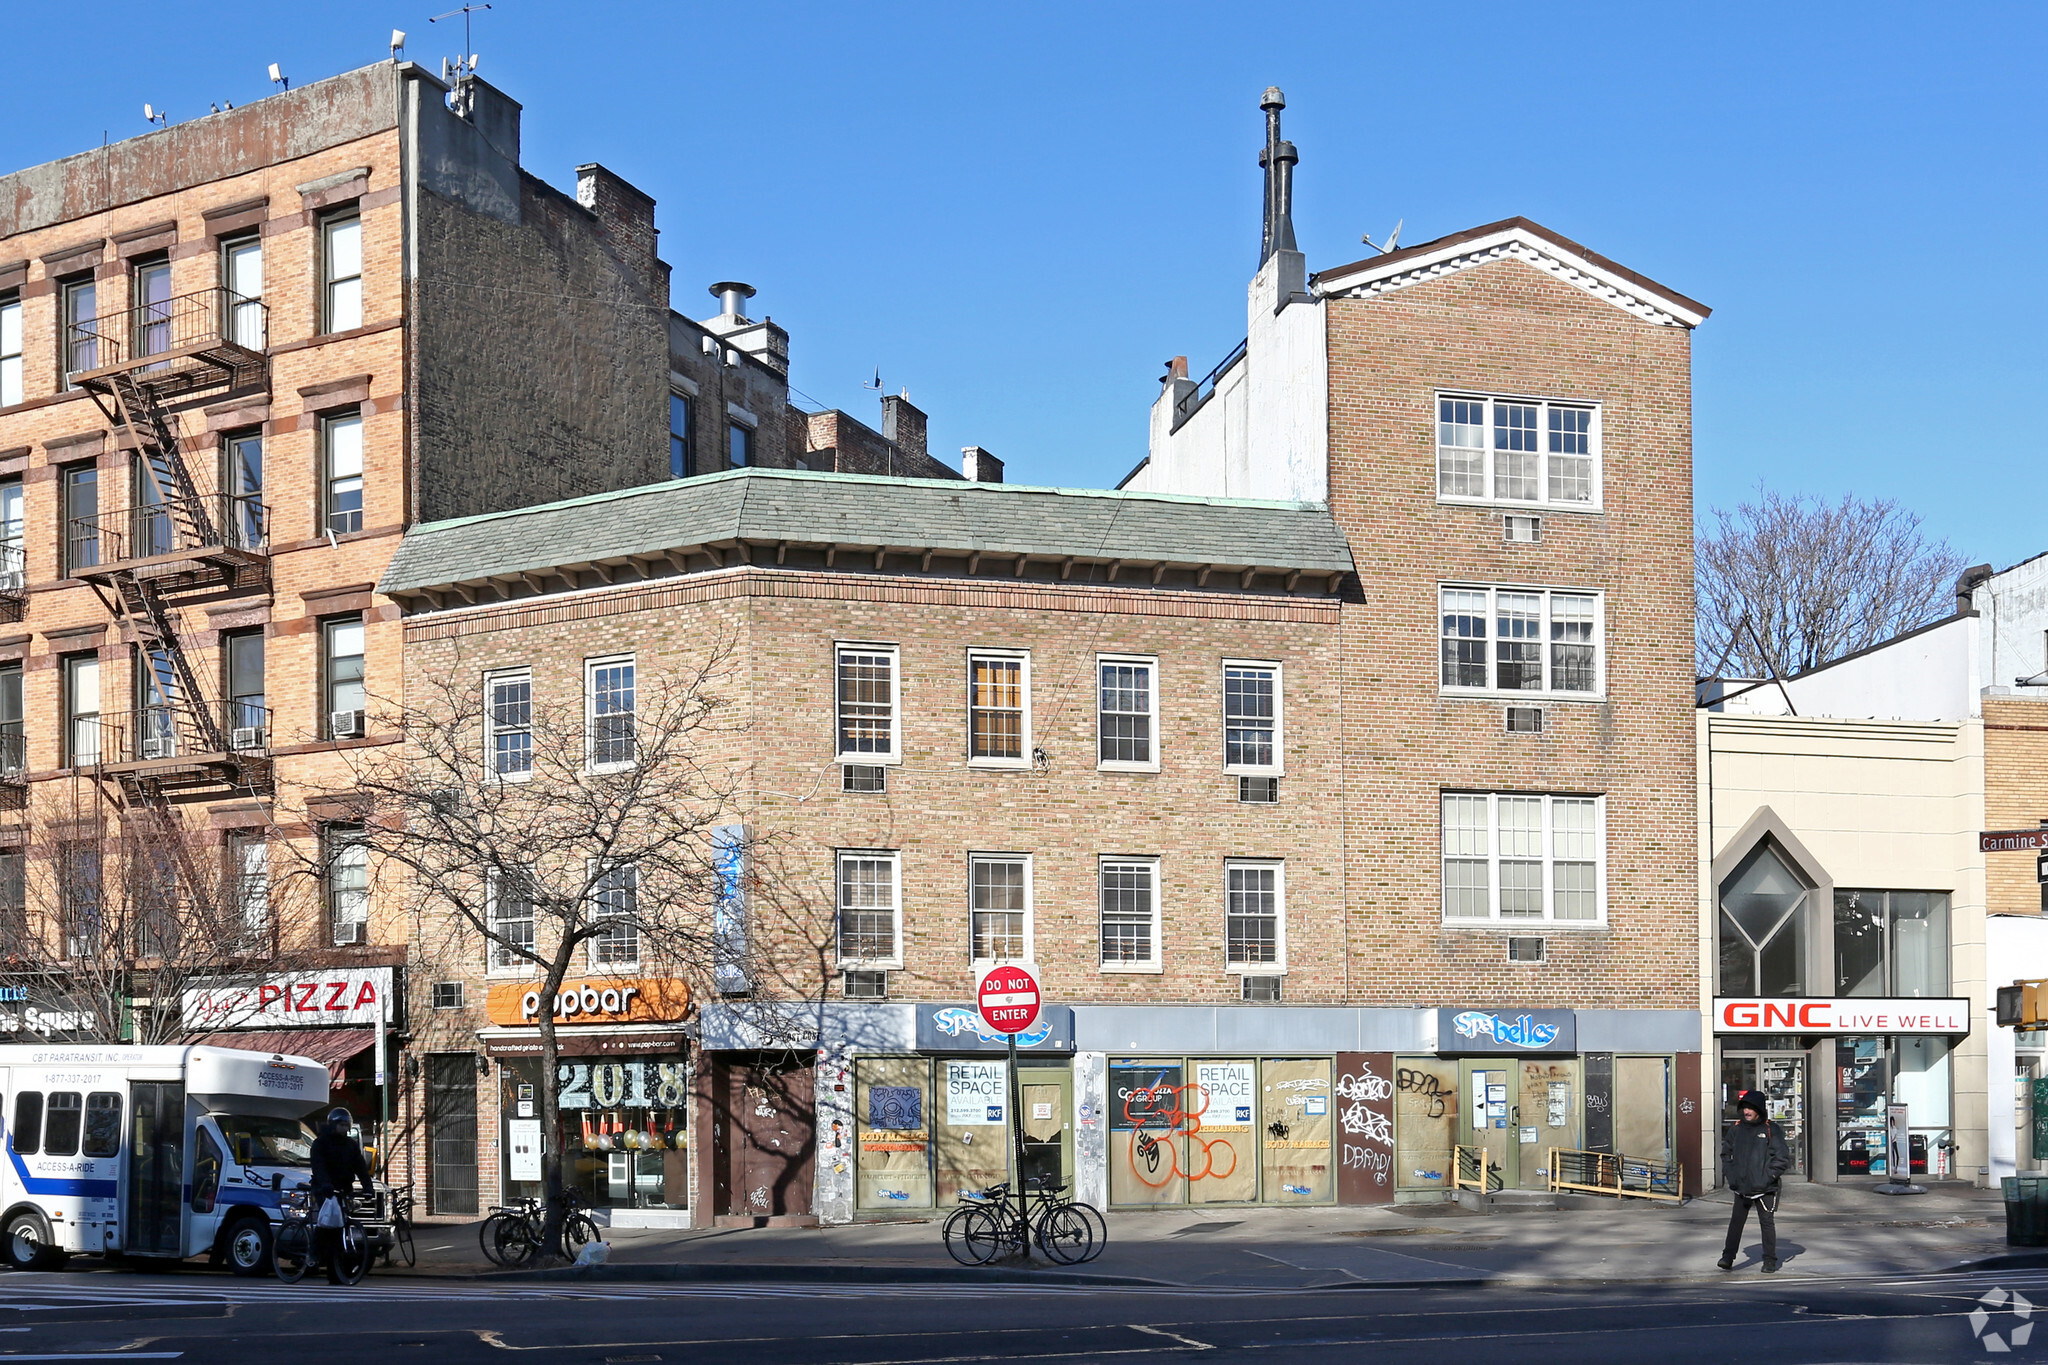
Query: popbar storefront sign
1851	1015
597	1000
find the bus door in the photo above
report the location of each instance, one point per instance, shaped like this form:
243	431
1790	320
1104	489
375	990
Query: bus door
156	1169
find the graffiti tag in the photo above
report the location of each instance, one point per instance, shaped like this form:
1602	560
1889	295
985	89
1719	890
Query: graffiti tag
1379	1165
1373	1127
1424	1084
1364	1086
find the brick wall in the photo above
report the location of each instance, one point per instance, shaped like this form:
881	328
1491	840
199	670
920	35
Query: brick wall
2015	757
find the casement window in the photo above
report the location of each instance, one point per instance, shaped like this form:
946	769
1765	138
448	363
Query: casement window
740	444
511	919
241	273
341	444
865	683
81	710
998	708
609	697
80	534
10	350
870	918
999	906
79	309
342	676
1255	915
508	725
248	860
150	307
679	415
1127	891
1516	857
346	860
241	472
615	910
1127	713
1521	640
1521	451
1251	717
341	273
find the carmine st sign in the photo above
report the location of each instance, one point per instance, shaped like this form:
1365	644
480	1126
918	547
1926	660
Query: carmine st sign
1008	998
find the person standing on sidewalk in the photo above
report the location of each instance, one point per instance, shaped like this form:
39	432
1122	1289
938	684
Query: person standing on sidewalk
1754	1157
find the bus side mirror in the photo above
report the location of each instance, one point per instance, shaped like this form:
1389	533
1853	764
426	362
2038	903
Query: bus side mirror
276	1181
245	1149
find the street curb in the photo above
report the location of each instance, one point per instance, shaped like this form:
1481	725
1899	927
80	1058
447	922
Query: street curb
2018	1260
811	1274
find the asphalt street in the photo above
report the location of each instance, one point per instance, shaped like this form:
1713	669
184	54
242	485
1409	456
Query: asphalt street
207	1316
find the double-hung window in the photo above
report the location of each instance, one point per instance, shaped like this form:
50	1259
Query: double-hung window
609	696
341	273
13	555
1127	713
864	681
614	911
242	480
241	271
248	859
740	442
1255	915
348	883
1521	451
79	347
1519	857
1251	717
13	735
508	723
999	909
870	909
81	710
343	677
678	435
511	918
1535	640
1128	899
10	350
998	708
341	439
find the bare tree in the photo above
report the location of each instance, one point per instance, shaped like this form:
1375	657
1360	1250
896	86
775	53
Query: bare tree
568	840
1783	584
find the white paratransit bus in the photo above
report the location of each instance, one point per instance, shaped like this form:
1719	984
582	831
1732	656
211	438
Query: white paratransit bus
150	1151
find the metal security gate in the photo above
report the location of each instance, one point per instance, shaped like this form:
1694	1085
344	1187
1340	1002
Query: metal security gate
156	1175
451	1132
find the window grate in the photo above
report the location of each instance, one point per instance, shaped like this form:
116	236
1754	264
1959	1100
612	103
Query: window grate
447	995
1263	990
863	777
865	985
1525	950
1258	790
1525	720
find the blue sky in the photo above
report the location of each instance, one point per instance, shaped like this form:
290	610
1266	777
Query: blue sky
1019	212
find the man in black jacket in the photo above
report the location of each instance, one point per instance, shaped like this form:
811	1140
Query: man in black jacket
337	1162
1753	1158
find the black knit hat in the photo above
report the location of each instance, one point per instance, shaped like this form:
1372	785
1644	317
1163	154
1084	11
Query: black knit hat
1753	1099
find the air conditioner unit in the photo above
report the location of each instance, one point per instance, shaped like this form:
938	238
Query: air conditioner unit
344	725
244	737
353	932
159	746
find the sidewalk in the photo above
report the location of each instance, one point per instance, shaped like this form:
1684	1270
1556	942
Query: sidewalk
1822	1230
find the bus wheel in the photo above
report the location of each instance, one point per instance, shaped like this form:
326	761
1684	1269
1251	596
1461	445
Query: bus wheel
28	1243
248	1247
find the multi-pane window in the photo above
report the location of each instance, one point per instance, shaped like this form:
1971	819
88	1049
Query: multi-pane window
150	297
81	710
508	718
998	707
1520	640
511	919
14	895
1128	899
342	676
248	858
865	683
81	530
1254	914
1517	450
609	699
341	273
678	434
79	897
1515	856
1127	713
740	440
80	344
347	863
870	912
999	911
10	350
342	440
241	270
614	910
1251	717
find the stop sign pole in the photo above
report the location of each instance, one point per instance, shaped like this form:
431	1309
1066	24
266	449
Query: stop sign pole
1007	998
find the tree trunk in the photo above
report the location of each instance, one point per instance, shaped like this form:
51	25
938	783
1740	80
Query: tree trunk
553	1206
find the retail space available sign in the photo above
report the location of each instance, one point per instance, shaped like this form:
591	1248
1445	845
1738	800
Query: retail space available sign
315	999
1852	1015
976	1092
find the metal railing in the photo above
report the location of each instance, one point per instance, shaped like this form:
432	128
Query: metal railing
203	521
209	320
153	733
13	751
1613	1173
1472	1168
1206	389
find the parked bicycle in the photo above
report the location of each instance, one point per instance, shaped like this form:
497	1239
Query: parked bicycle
511	1235
996	1224
293	1247
387	1222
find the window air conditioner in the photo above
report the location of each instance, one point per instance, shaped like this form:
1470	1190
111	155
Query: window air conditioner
159	746
344	725
351	933
245	737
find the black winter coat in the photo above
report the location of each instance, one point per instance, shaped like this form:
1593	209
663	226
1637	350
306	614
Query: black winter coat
1753	1157
337	1163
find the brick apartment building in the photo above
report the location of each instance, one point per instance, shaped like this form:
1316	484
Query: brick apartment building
239	357
1349	825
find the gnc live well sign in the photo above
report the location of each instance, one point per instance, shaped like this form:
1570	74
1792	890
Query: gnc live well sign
1782	1014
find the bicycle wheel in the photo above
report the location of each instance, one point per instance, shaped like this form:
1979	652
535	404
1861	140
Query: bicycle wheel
978	1237
352	1257
1100	1224
578	1231
1065	1234
401	1245
514	1242
291	1251
487	1235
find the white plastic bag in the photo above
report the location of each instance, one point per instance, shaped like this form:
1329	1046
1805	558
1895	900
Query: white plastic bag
594	1253
330	1214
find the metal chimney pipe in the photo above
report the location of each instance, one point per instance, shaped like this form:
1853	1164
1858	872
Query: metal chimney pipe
732	297
1269	159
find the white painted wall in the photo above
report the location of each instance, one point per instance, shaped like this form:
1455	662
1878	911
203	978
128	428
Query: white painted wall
2018	945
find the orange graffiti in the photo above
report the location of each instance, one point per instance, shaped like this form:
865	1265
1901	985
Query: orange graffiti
1178	1110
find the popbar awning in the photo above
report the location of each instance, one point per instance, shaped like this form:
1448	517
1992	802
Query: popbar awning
331	1047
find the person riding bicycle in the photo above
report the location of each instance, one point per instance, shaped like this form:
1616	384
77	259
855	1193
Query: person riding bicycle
337	1162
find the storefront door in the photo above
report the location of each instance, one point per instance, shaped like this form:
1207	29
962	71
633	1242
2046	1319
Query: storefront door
769	1137
1492	1113
1048	1097
1781	1076
451	1133
1550	1093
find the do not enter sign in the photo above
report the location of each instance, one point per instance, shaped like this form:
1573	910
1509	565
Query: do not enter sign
1008	999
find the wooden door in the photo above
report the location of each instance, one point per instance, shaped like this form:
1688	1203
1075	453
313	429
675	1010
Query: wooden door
771	1138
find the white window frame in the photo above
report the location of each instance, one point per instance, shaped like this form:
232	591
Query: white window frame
599	869
1543	501
1155	964
1030	907
1278	966
1278	766
1549	918
1023	659
893	962
590	668
492	728
894	753
1547	692
11	360
333	281
499	961
1149	662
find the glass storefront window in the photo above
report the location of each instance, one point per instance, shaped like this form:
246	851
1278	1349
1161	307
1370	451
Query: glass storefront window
1878	1072
971	1130
1891	943
624	1133
1763	928
1145	1122
1220	1148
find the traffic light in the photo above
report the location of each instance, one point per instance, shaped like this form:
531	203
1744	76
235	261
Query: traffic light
2023	1005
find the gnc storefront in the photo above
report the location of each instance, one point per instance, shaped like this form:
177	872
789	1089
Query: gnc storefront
625	1094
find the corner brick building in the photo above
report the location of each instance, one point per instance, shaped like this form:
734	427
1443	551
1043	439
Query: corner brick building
1336	772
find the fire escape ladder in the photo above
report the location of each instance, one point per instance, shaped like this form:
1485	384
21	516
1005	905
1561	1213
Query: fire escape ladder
137	411
156	630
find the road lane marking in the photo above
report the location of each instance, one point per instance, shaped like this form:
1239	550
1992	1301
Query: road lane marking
1170	1336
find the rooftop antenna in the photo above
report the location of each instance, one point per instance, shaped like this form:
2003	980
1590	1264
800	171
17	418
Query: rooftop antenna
278	77
397	43
1393	238
466	64
877	385
151	114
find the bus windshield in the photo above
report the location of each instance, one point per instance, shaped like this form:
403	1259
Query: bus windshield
264	1141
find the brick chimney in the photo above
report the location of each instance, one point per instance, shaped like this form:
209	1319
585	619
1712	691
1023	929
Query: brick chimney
903	426
626	216
979	466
